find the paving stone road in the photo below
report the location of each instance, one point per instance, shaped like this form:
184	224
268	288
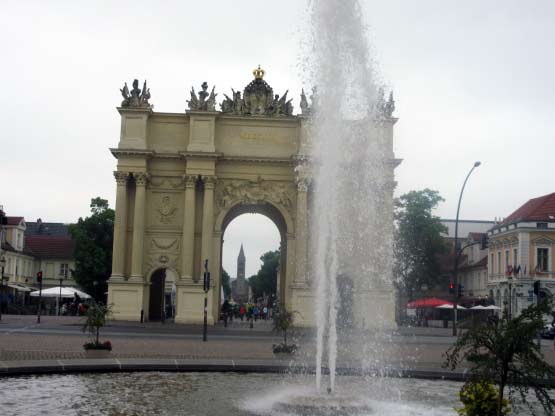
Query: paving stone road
21	338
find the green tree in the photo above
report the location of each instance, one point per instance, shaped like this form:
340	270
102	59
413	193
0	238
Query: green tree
418	241
226	285
94	237
505	353
95	318
265	281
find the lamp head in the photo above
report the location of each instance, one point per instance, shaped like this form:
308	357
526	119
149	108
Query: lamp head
477	163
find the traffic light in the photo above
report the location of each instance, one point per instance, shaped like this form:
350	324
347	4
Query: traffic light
39	277
484	242
537	287
460	289
452	288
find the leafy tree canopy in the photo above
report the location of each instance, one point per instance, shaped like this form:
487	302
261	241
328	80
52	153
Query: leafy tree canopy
265	281
226	284
418	240
506	354
94	237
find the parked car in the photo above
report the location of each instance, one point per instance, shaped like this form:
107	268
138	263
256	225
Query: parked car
548	331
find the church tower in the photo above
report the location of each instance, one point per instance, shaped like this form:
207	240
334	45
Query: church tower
240	287
241	264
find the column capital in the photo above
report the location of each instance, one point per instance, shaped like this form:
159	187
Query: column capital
190	180
141	178
121	177
209	182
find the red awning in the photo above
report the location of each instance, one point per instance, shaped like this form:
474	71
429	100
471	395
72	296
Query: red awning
427	303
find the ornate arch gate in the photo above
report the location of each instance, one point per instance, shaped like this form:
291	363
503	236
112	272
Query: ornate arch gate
181	178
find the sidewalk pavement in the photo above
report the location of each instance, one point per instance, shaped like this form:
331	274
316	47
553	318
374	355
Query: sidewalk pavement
60	338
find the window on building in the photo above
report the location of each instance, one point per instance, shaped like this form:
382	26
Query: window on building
491	264
498	262
506	261
64	269
515	257
543	259
542	225
18	241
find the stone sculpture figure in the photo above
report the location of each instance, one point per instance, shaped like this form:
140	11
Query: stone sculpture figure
211	102
200	102
305	109
389	106
384	108
136	97
258	99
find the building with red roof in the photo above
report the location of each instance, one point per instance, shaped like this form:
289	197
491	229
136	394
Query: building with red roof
521	253
24	255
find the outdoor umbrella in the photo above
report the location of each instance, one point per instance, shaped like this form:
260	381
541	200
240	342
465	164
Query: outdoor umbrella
67	292
449	306
427	303
478	307
492	308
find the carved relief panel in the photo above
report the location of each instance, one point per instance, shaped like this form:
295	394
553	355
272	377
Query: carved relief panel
165	203
251	192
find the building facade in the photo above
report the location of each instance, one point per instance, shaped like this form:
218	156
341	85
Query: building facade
27	250
521	252
183	177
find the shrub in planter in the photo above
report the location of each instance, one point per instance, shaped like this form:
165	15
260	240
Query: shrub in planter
283	319
106	345
95	318
480	398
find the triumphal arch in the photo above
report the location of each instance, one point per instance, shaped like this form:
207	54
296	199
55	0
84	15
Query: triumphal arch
183	177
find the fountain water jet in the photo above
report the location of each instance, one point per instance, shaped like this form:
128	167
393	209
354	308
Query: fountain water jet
352	185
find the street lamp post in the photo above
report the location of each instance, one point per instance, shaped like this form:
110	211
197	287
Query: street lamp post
2	263
457	251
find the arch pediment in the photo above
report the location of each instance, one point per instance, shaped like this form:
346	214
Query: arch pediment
542	241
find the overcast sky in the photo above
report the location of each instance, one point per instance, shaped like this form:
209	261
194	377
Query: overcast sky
473	80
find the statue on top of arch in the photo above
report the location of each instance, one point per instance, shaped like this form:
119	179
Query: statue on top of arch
258	99
204	101
136	97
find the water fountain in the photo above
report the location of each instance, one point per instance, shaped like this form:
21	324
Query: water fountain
352	196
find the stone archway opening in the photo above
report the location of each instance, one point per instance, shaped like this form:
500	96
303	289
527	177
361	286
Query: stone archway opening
262	229
156	307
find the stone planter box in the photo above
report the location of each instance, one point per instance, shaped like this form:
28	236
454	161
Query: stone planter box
97	353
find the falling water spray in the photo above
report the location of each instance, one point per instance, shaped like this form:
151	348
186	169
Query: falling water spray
348	161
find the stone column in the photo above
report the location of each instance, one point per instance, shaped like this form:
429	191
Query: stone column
120	226
138	227
301	231
188	238
207	221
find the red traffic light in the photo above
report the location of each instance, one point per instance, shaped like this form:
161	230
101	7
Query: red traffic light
452	286
39	277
